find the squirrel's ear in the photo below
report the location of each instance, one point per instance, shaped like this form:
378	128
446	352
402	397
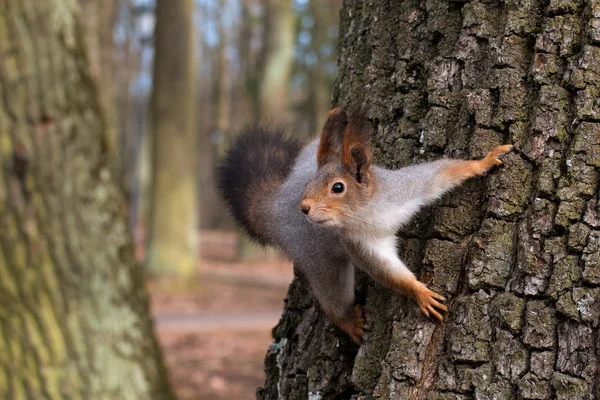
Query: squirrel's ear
356	149
332	136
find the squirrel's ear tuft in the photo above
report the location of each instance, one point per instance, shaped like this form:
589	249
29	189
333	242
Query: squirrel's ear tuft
356	148
332	136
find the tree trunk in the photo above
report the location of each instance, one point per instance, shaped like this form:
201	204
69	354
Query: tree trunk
325	15
517	253
114	61
217	133
277	60
74	315
173	221
98	20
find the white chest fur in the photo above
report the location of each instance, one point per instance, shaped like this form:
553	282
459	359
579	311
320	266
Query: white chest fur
384	251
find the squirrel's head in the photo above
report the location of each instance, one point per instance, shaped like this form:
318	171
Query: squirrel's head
344	181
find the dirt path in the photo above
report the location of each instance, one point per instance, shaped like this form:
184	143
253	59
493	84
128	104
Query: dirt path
210	321
249	278
215	332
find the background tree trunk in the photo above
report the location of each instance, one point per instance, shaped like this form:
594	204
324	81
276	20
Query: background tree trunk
74	318
517	253
275	69
173	221
319	83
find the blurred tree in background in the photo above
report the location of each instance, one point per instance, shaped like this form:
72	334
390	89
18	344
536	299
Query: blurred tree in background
173	242
74	317
275	61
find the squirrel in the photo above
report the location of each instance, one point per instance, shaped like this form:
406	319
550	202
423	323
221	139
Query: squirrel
330	209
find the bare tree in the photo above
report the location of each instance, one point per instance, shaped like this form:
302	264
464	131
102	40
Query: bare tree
173	221
320	81
74	317
517	253
276	61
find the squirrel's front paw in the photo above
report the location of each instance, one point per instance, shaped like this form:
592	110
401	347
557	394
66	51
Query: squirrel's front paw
428	301
491	159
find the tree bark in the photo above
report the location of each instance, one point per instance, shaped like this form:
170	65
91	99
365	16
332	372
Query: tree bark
113	65
173	222
74	314
516	253
98	20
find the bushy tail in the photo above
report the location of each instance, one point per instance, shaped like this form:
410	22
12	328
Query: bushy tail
256	164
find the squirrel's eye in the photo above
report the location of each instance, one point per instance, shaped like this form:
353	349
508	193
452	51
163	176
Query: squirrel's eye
337	187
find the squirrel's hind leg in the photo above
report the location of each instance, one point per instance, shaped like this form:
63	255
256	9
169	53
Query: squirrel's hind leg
352	322
333	287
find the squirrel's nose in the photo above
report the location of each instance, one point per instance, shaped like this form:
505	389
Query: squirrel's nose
305	206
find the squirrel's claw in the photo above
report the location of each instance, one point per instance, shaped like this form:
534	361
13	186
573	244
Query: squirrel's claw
359	322
507	148
491	159
428	301
352	324
428	309
497	152
438	297
435	313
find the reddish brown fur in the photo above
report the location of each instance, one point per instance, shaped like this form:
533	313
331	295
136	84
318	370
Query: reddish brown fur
344	155
256	202
333	111
353	140
326	205
467	169
356	151
331	136
425	298
333	204
353	324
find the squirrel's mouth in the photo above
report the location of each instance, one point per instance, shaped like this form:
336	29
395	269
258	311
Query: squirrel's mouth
320	221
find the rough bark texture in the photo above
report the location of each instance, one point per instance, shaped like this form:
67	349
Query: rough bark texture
74	317
173	245
98	20
516	253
